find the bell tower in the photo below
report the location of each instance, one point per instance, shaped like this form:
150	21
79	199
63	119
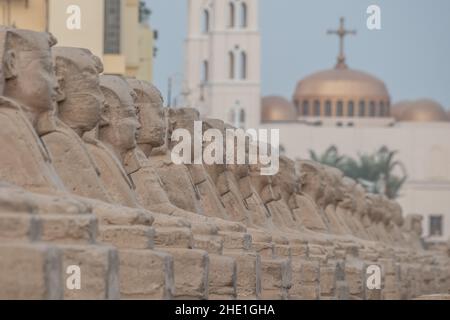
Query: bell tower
222	67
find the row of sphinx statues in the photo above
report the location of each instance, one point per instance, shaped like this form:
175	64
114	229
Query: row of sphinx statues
86	179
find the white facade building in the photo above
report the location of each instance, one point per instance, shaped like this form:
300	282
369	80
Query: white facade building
222	73
340	107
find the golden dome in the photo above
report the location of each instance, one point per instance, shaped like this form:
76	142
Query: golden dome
341	83
424	110
398	109
275	108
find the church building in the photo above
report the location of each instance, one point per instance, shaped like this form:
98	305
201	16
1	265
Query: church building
342	107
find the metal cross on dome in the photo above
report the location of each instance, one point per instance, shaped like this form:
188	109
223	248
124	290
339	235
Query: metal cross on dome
341	32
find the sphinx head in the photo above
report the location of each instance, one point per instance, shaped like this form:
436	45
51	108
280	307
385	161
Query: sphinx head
214	132
183	119
151	113
120	126
348	187
28	71
333	190
413	224
286	179
397	212
375	212
81	100
311	179
240	169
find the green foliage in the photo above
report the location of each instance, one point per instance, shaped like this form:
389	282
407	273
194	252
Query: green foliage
144	12
377	172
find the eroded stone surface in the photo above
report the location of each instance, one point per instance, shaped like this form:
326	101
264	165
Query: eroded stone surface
86	179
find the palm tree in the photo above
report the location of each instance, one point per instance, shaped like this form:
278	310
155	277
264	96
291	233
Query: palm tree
374	171
330	157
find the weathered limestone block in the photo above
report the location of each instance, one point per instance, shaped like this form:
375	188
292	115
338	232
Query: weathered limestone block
355	275
329	280
191	269
391	279
18	227
99	272
132	237
40	275
248	280
305	280
73	238
222	277
275	279
146	274
64	229
211	244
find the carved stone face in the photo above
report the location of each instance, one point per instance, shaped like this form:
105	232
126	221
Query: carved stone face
361	204
151	113
397	213
333	189
82	100
417	225
375	212
312	182
28	69
347	187
182	119
122	125
217	125
286	178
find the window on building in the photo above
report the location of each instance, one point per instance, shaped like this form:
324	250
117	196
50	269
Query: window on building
372	109
205	72
231	14
237	116
242	117
305	108
317	108
112	27
362	109
205	21
231	65
328	111
436	226
243	15
243	66
340	109
351	109
382	109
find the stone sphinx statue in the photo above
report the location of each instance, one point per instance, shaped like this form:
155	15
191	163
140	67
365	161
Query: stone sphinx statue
153	141
351	206
141	166
27	110
397	222
224	180
209	198
413	231
78	112
312	189
302	207
334	196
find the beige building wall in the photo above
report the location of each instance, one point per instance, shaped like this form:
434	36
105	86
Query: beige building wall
146	48
92	27
424	149
130	35
24	14
136	56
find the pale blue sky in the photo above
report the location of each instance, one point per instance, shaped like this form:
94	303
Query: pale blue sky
411	53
